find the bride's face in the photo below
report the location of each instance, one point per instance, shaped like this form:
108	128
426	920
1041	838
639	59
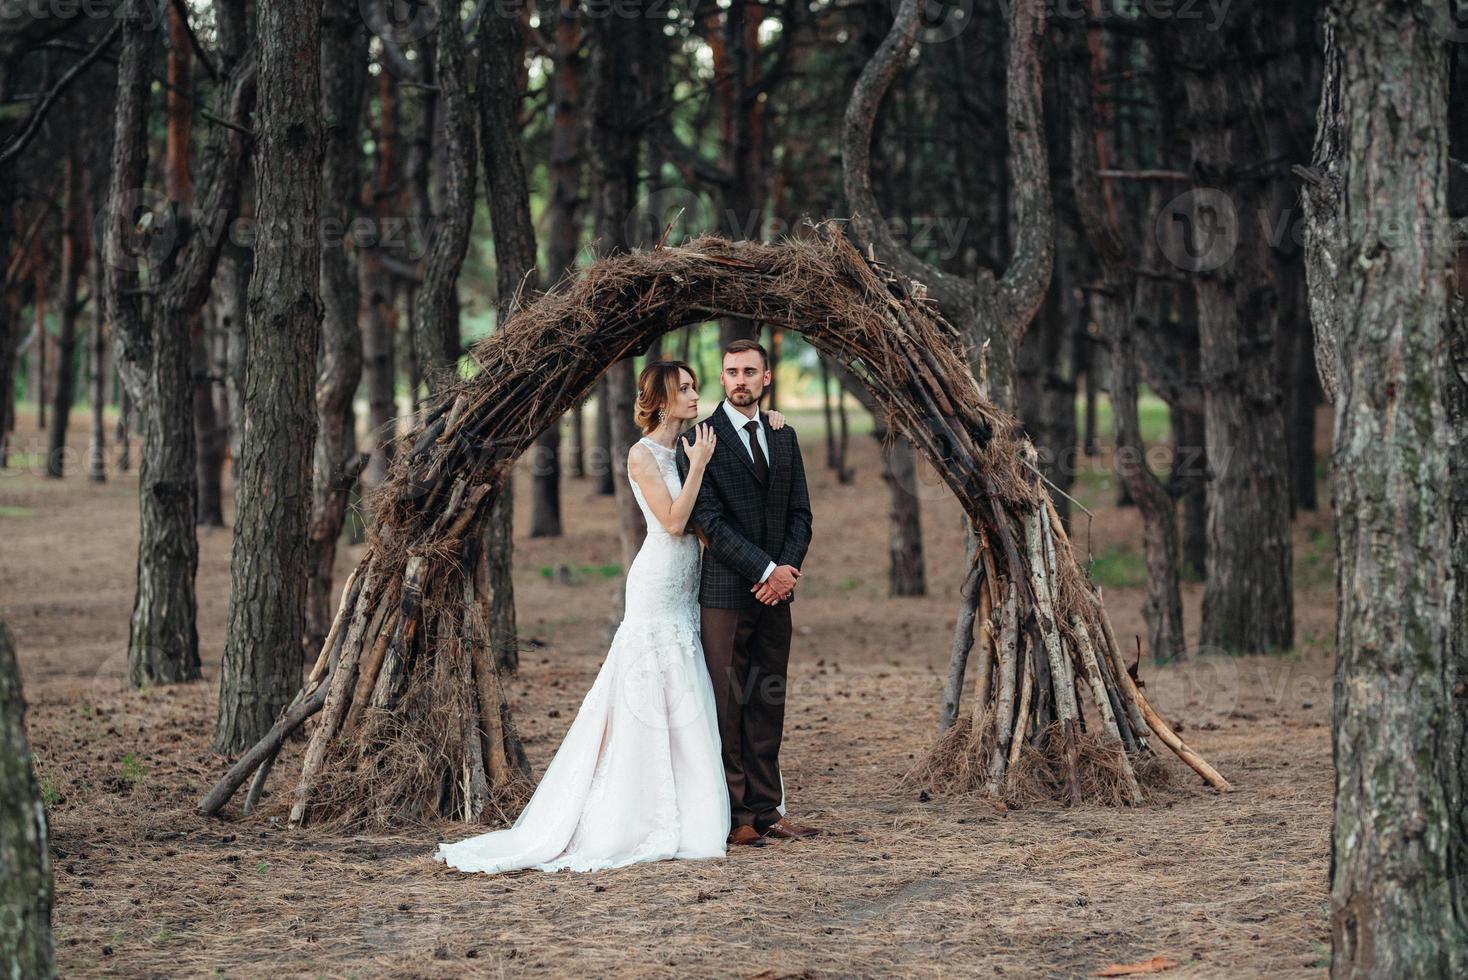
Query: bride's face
685	403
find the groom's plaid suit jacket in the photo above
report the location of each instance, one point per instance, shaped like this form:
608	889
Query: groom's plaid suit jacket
748	524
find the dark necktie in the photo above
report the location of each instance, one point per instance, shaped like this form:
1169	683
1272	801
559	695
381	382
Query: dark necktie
761	466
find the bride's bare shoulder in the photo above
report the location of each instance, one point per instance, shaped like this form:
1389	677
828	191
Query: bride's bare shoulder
641	461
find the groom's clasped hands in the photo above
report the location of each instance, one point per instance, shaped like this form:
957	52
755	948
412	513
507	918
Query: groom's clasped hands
778	587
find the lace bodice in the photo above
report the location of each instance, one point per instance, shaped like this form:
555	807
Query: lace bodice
662	583
668	466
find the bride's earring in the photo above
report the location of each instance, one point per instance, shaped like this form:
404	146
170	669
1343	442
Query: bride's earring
662	416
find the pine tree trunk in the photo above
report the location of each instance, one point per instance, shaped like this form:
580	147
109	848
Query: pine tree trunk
208	434
100	369
164	644
1188	483
1380	304
906	575
601	452
74	250
1455	398
262	654
501	55
614	155
26	894
1113	306
566	163
7	319
379	367
1247	600
335	460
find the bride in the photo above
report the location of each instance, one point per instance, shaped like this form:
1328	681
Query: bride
639	775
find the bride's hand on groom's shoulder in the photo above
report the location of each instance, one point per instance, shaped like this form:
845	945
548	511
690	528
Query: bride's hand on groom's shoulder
777	419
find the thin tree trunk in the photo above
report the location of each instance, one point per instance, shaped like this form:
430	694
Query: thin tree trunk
601	452
233	286
100	368
614	156
26	895
565	170
36	379
906	575
1113	304
501	55
336	462
75	247
262	654
1396	871
578	440
379	367
180	97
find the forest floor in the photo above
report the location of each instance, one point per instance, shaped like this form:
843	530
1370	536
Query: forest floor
1229	885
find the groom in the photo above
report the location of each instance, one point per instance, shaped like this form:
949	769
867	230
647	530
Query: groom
754	511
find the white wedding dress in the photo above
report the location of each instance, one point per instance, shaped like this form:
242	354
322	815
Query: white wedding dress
639	776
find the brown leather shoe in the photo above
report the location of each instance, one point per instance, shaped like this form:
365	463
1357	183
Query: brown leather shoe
746	835
789	830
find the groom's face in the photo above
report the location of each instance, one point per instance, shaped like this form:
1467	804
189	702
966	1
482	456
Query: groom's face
744	378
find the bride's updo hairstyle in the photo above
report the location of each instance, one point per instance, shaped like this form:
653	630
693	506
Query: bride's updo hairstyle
657	386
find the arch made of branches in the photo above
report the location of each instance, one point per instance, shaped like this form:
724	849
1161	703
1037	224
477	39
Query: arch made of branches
411	721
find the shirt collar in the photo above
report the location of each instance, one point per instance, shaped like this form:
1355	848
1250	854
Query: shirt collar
737	419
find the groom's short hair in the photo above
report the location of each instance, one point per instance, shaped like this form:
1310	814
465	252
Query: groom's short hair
742	345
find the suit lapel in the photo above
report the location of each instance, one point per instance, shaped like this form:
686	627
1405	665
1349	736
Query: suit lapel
777	450
728	433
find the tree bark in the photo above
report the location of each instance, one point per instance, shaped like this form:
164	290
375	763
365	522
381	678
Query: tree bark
1376	258
163	641
1456	401
566	164
262	654
26	895
7	319
180	97
501	52
75	246
1113	305
336	462
100	368
1247	600
614	153
379	366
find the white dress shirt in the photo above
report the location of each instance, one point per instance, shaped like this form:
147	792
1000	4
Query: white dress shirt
739	421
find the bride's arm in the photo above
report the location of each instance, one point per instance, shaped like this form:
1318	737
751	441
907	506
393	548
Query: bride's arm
671	514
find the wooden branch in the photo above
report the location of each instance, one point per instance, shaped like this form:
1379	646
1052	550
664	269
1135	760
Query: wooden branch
267	747
1103	705
1009	668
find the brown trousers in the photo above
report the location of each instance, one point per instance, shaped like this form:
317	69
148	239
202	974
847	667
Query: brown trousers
746	651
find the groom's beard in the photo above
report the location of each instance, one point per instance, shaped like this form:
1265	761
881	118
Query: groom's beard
745	398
